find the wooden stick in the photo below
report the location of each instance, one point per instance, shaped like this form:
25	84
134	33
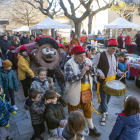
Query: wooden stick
123	76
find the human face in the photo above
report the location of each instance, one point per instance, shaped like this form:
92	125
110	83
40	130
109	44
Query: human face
112	50
51	84
24	35
54	101
80	58
24	53
75	37
93	52
42	75
5	38
7	68
32	38
57	38
121	58
85	47
38	98
12	51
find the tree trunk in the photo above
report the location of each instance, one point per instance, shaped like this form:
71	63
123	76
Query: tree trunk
78	28
90	19
52	33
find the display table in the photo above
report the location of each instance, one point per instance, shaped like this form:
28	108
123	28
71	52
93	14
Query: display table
133	49
134	72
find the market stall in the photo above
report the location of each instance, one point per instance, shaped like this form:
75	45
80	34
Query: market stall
22	28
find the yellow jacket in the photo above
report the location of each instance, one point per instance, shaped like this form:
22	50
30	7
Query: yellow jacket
24	67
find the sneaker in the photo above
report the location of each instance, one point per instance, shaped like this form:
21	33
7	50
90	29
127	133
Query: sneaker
8	138
94	132
103	119
100	110
15	108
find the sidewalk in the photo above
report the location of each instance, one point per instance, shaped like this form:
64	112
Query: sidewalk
21	128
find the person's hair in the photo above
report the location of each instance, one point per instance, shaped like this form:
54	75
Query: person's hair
40	69
131	105
50	94
92	49
4	35
122	54
50	80
74	38
84	44
33	93
76	124
16	39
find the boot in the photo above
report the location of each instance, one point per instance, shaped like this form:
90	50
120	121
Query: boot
94	132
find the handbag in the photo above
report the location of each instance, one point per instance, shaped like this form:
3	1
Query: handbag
86	96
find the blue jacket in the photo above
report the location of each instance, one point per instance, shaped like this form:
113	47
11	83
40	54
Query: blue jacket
126	128
8	80
124	66
5	109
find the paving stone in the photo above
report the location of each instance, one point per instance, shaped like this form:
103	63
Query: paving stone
21	97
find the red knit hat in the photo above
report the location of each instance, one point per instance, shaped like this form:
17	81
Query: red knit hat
77	50
12	48
22	49
61	46
112	43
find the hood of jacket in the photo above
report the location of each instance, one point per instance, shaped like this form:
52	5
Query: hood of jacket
132	121
28	103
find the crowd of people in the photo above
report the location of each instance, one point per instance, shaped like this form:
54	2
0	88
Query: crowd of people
46	105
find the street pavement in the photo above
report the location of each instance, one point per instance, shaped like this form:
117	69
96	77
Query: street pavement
21	128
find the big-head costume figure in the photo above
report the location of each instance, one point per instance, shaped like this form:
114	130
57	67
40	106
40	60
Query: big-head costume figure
44	52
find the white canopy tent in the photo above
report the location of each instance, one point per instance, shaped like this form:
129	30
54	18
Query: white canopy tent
49	23
23	28
121	23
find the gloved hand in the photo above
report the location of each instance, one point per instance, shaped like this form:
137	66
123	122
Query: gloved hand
7	125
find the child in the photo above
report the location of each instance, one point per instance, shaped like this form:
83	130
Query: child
55	114
123	65
8	81
127	125
93	51
5	110
40	83
66	47
36	108
76	124
51	87
24	72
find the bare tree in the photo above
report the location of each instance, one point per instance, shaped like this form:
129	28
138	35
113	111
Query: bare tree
24	13
94	12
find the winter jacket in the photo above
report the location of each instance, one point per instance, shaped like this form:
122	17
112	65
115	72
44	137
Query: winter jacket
75	42
54	113
5	45
5	109
16	44
36	111
24	67
1	58
39	85
126	128
8	80
120	41
11	57
128	40
66	49
123	66
24	40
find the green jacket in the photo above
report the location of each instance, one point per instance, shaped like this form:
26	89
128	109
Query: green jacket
54	113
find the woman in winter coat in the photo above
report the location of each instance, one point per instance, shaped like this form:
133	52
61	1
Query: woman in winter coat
75	41
127	125
24	72
16	42
127	42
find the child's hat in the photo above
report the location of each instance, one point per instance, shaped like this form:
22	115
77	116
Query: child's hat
12	48
66	41
7	64
22	49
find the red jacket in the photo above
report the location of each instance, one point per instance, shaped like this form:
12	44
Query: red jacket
127	40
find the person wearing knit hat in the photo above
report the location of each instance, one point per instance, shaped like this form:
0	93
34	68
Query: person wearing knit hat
107	62
60	80
23	50
78	72
9	82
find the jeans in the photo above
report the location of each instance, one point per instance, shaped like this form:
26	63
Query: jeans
4	56
26	84
105	98
10	94
38	130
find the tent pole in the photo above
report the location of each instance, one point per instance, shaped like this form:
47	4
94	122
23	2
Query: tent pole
116	33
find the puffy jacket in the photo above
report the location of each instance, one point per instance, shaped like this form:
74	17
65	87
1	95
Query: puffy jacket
120	41
124	66
127	40
5	109
36	111
24	67
126	128
8	80
11	57
5	45
75	42
24	40
55	113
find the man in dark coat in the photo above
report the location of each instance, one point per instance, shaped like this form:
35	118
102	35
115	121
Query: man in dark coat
24	39
5	45
138	44
120	41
